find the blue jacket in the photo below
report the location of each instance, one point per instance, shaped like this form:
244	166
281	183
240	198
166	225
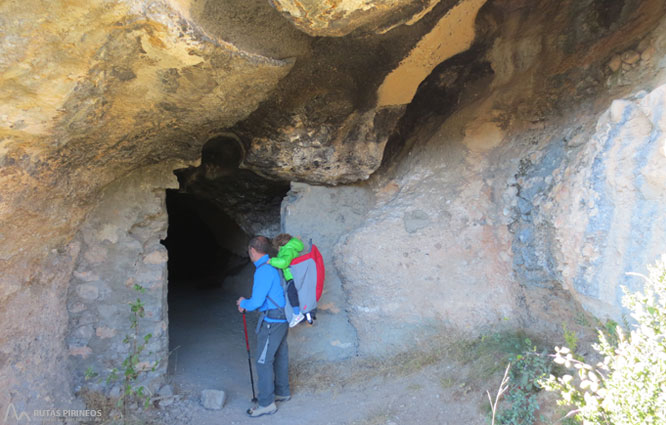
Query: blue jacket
266	282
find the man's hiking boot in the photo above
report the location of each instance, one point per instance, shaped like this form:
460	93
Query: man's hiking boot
281	398
255	412
295	320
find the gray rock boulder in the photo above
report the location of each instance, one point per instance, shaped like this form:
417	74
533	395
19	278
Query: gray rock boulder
213	399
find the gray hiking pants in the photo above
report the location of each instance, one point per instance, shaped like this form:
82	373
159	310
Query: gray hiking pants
272	362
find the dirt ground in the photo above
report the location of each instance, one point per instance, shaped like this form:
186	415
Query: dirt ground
445	383
209	353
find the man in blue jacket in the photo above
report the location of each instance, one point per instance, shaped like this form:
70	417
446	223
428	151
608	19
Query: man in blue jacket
272	352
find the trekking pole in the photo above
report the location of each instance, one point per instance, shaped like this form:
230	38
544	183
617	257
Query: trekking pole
249	358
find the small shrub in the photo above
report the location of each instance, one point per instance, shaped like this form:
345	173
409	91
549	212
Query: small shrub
610	330
526	371
132	366
629	386
570	337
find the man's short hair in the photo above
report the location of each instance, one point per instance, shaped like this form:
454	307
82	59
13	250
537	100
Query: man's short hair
261	244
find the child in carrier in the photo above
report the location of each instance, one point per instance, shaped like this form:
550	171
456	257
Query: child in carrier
288	249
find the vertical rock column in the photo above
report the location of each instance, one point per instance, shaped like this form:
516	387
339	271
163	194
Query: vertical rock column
120	248
608	208
325	214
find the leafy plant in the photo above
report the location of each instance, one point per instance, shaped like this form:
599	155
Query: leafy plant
629	385
571	340
528	368
610	331
90	373
570	337
132	366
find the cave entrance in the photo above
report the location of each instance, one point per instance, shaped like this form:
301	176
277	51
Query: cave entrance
212	216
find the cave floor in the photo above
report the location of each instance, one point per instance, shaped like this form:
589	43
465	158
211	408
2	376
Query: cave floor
208	344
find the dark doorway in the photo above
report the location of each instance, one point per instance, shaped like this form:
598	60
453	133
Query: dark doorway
211	219
205	340
202	241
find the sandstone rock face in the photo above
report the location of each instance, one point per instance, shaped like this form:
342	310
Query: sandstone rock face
331	117
127	71
324	215
327	18
612	199
91	91
251	25
320	151
434	253
520	180
453	34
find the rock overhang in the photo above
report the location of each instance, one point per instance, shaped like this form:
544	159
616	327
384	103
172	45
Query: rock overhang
293	118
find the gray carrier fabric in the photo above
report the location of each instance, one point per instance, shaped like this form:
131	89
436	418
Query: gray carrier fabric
288	309
305	280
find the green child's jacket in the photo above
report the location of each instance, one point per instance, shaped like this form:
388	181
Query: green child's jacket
286	254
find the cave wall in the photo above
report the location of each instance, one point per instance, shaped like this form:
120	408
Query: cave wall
520	199
583	202
607	206
518	174
119	247
323	215
90	91
434	254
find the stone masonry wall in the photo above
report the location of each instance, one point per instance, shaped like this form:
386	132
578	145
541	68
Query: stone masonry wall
120	248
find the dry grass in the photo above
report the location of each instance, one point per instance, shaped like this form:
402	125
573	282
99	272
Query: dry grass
97	401
326	376
486	356
376	417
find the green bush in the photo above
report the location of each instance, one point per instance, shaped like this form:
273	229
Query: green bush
521	398
629	386
515	402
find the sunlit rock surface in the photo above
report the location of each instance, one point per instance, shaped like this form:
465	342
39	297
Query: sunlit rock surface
338	18
89	92
611	200
488	164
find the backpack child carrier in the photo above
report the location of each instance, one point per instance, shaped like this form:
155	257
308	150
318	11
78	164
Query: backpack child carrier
309	274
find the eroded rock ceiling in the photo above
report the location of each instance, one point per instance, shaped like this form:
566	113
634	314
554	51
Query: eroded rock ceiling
91	91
